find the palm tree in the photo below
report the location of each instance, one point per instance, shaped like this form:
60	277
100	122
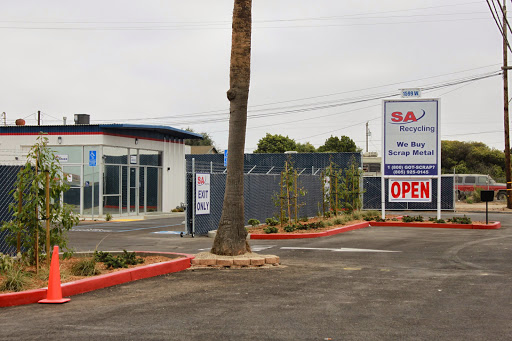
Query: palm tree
231	234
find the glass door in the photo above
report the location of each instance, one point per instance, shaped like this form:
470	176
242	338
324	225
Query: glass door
134	190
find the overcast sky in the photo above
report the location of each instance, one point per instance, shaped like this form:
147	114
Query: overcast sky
167	63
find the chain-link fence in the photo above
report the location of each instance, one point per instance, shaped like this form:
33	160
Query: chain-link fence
304	163
372	196
7	180
259	193
261	185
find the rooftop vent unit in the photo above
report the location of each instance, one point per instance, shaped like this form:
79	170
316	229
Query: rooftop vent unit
82	119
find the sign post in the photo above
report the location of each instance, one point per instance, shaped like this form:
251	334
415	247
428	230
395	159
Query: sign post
411	151
92	163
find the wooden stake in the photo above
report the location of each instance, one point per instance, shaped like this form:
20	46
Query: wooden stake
20	207
48	219
36	228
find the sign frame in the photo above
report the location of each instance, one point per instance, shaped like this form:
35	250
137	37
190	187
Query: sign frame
202	194
418	169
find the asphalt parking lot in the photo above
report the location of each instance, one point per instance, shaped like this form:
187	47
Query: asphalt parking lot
380	283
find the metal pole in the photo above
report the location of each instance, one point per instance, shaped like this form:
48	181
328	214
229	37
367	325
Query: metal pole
211	167
193	196
505	109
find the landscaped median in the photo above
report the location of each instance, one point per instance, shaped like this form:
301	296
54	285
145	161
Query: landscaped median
359	225
178	262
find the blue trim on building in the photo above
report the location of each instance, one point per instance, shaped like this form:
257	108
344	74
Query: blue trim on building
135	130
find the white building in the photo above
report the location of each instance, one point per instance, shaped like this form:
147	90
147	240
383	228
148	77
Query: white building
121	169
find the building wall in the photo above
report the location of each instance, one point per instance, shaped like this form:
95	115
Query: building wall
173	156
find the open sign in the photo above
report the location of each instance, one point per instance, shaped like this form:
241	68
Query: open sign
410	190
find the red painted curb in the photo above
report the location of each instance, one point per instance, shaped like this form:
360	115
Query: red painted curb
311	235
494	225
103	281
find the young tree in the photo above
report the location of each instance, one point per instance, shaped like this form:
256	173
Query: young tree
31	187
231	234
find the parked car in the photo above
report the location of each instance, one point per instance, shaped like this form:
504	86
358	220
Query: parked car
467	183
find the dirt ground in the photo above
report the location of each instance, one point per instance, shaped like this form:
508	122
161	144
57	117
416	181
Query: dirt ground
494	206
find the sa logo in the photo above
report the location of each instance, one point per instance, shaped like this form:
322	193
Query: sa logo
399	118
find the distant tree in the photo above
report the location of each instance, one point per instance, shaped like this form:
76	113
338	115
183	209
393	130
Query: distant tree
339	145
206	141
305	148
275	144
472	157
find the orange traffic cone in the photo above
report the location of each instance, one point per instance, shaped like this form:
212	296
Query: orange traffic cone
54	292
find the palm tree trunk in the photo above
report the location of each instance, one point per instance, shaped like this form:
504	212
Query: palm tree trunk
231	234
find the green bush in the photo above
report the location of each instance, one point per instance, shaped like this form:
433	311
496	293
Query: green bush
6	262
289	228
304	219
271	222
253	222
271	229
108	217
85	267
115	262
338	221
418	218
15	280
460	220
407	219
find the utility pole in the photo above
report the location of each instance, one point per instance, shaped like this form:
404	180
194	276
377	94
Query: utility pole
38	118
368	133
505	109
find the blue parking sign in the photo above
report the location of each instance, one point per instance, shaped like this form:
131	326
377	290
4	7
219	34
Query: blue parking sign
92	158
225	158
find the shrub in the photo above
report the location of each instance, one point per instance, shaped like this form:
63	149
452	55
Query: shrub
14	280
469	200
108	217
114	262
6	262
418	218
357	215
476	195
302	227
329	223
460	220
271	229
407	219
253	222
271	222
85	267
304	219
338	221
289	228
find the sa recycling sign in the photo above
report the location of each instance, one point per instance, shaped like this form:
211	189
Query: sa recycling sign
411	137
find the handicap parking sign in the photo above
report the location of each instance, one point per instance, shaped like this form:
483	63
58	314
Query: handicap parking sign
92	158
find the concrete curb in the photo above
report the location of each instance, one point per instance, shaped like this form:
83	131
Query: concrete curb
310	235
102	281
491	226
